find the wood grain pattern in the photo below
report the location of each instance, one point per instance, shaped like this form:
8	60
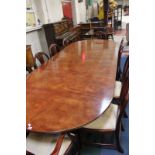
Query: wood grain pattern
73	88
29	57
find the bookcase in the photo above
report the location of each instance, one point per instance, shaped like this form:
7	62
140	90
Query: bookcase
118	17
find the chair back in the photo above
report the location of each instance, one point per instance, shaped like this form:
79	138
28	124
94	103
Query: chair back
120	50
119	59
53	49
99	34
58	145
125	88
123	101
125	70
29	69
66	42
109	30
41	56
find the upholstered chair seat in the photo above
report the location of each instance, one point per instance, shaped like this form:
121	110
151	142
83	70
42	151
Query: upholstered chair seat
44	144
117	89
107	121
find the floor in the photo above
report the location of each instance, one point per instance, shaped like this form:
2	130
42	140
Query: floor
89	150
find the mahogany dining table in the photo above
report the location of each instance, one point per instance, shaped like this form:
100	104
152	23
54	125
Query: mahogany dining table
73	88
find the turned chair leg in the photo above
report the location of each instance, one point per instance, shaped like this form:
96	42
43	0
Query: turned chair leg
79	142
125	114
118	145
76	140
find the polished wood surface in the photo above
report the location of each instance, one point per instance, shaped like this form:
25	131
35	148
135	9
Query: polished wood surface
29	57
73	88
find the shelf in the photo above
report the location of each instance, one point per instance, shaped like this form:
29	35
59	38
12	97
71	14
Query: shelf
30	29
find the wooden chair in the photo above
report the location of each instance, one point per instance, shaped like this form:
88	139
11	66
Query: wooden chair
107	125
118	83
118	74
29	69
53	49
47	144
100	35
109	33
41	57
66	42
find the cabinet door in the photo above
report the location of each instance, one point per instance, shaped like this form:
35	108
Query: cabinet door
29	57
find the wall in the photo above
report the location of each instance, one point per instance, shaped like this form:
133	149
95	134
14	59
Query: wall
75	11
39	10
37	41
47	11
82	11
79	11
54	9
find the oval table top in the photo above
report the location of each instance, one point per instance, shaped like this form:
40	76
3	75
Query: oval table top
73	88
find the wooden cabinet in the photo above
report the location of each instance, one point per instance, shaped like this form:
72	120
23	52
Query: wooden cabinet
118	17
29	57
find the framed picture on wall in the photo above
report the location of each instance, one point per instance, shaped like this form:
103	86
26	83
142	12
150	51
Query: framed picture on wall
80	1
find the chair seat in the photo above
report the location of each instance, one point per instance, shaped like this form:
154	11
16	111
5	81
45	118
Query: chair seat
43	144
117	90
107	121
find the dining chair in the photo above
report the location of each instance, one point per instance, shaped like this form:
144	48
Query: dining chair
29	69
118	73
110	33
66	42
100	35
118	83
47	144
53	49
108	125
42	57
